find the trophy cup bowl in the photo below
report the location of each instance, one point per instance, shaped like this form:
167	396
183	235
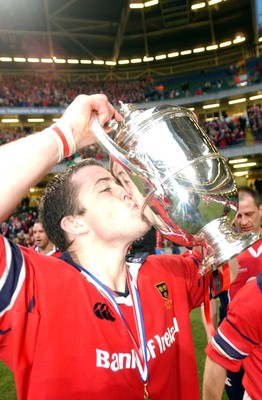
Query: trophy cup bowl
182	183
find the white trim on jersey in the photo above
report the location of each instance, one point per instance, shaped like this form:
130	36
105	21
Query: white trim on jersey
220	349
255	253
22	274
133	269
8	257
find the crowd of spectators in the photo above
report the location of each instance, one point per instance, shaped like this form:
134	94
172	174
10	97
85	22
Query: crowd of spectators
8	135
255	121
56	91
19	226
28	91
226	132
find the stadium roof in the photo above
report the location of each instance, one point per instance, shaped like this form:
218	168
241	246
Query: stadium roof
109	30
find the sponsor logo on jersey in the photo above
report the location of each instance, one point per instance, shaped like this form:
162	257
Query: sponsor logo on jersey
228	382
102	311
163	290
138	258
242	270
168	304
155	346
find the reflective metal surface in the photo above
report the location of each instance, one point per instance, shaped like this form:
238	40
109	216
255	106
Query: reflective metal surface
181	182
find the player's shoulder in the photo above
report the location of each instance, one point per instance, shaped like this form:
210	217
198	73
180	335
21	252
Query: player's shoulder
44	264
254	284
251	292
254	251
259	282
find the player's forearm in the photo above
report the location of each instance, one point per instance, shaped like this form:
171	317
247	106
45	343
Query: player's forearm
214	380
234	267
22	164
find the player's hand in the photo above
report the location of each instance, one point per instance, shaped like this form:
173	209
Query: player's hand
80	113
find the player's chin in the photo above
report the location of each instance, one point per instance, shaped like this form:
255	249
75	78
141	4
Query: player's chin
246	230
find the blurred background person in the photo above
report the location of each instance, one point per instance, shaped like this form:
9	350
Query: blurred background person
42	244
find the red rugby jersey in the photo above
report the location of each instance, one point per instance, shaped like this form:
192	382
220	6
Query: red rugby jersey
239	338
250	265
63	339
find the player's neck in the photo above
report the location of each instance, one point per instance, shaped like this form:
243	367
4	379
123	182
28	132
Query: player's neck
45	250
109	267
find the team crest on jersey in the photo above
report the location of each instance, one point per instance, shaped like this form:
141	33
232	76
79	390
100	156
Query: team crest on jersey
163	290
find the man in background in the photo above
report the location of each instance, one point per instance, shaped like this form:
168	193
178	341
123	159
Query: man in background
248	219
42	244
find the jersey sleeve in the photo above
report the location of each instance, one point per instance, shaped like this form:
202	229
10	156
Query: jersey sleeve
12	274
18	318
240	332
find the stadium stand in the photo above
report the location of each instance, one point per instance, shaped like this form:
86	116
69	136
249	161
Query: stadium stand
43	91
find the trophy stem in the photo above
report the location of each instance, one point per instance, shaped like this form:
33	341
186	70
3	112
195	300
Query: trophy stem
222	243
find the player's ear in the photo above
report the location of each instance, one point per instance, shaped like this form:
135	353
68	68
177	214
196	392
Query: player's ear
73	224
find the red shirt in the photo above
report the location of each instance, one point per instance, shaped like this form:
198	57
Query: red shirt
250	265
239	338
54	253
63	339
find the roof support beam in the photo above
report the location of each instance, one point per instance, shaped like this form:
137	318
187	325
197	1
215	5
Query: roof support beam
60	32
121	31
50	40
73	39
64	7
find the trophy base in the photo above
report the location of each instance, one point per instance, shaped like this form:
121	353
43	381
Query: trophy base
222	243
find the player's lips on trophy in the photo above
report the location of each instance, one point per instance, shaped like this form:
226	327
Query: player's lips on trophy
126	181
183	185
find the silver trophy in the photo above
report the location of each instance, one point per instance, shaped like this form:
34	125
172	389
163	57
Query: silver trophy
181	182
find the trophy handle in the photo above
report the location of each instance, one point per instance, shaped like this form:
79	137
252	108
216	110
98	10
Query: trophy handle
114	150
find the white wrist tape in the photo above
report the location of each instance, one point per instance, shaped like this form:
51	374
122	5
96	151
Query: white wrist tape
64	138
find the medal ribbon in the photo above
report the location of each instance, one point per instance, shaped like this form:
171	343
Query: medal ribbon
141	355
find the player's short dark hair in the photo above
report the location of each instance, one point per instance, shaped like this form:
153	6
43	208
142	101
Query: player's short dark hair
60	199
250	192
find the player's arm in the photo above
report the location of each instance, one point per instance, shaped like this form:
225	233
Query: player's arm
233	267
209	315
213	317
25	161
214	380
